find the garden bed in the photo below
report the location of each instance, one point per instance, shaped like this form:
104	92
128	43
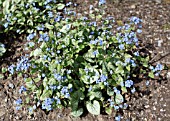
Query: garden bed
150	102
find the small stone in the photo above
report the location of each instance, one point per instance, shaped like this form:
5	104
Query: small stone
146	106
159	43
11	85
154	108
168	75
158	1
161	110
133	6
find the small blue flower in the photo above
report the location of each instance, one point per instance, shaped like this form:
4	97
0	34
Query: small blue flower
147	83
133	63
139	31
128	83
90	88
11	69
116	107
116	90
125	105
30	110
136	53
158	67
101	2
53	87
18	102
135	20
6	25
117	118
17	107
34	107
95	52
127	60
22	89
133	90
121	46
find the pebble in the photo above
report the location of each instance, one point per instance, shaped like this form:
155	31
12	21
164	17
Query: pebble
133	6
11	85
154	108
146	106
168	75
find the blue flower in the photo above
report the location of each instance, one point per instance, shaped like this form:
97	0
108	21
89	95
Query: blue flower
147	83
50	14
158	67
17	107
133	90
90	88
125	105
128	83
136	53
58	77
121	46
116	107
139	31
116	90
22	89
53	87
117	118
127	60
133	63
91	33
30	109
103	78
31	36
65	92
101	2
47	104
135	20
18	102
95	52
6	25
11	69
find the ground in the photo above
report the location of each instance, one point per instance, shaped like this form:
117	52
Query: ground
150	103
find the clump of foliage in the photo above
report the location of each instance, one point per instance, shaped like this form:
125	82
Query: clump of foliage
25	15
78	62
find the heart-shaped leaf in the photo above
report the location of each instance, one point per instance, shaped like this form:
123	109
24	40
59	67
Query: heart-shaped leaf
93	108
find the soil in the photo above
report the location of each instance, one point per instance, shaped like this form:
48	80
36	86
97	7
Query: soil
150	102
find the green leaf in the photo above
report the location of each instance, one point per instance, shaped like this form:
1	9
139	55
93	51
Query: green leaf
4	69
36	52
109	110
110	91
77	113
1	76
128	67
93	108
119	98
124	90
47	25
46	93
60	6
151	74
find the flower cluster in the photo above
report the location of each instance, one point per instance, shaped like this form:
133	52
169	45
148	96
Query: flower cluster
47	104
18	103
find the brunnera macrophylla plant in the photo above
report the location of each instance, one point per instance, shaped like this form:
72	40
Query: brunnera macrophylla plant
78	63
